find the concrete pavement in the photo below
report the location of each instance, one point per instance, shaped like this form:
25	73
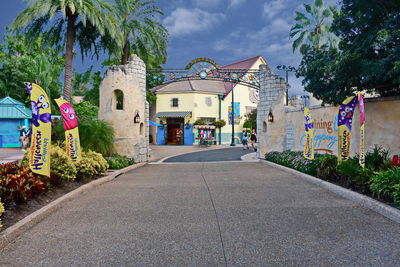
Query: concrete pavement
10	155
210	214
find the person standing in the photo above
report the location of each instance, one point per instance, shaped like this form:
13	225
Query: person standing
253	139
28	137
244	139
22	136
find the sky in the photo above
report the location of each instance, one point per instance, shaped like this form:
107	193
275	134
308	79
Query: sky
223	30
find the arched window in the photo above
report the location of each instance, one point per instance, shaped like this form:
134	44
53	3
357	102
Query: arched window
119	99
264	126
141	129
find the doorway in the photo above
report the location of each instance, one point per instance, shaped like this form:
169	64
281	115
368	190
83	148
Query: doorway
175	131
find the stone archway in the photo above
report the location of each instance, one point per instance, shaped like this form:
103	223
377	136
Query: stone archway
123	104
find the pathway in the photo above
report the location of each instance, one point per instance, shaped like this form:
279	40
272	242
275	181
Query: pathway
208	214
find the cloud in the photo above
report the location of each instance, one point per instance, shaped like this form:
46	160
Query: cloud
183	21
234	3
272	8
206	4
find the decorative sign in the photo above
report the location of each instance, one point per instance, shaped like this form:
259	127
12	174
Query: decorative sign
41	130
72	142
346	112
236	113
309	139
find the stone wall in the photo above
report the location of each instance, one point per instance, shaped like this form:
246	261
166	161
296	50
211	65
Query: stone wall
286	132
272	98
131	139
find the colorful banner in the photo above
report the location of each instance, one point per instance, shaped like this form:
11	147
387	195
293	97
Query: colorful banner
346	112
72	142
309	138
41	130
362	130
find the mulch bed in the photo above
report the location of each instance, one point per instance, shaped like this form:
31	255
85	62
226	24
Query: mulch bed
16	212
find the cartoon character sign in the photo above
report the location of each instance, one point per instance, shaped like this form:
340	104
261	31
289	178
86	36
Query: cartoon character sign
345	120
69	116
71	129
39	161
309	140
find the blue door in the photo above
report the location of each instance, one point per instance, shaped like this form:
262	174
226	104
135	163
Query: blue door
188	134
161	135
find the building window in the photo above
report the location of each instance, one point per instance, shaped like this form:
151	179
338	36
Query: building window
264	127
175	102
119	99
208	101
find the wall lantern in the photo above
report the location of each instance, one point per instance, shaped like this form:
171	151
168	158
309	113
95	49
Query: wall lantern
136	118
270	116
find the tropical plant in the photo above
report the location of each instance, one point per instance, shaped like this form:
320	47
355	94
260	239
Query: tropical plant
312	28
251	121
200	122
93	95
117	162
35	61
140	31
86	110
81	82
71	22
387	184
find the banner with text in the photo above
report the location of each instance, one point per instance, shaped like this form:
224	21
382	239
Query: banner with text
345	120
72	142
41	130
362	130
309	138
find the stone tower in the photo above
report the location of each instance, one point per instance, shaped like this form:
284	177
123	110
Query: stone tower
123	104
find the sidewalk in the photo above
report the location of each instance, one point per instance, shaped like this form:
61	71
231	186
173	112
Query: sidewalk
10	155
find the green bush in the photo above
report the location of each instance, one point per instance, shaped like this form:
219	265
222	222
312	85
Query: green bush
219	124
1	212
86	110
387	184
294	160
99	162
61	164
327	168
95	135
117	162
200	122
377	159
353	176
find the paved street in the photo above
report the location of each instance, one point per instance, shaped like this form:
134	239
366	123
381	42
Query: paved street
225	154
208	214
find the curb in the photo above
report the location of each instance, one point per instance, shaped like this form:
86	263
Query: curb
367	202
23	225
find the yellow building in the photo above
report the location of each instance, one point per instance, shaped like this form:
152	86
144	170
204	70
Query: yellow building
182	102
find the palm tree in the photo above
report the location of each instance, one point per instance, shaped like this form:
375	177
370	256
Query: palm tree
140	32
313	27
85	21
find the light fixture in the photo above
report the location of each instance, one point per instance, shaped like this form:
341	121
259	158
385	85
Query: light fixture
270	116
136	118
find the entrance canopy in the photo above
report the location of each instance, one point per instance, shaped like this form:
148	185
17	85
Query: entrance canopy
173	114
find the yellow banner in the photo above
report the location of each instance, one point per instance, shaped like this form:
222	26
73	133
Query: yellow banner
362	130
72	142
309	140
345	120
41	130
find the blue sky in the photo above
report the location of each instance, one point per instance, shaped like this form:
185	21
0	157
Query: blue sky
224	30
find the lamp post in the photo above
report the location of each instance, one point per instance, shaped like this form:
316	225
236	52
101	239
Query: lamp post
220	101
233	118
286	69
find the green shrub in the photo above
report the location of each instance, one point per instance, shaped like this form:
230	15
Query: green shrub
352	175
117	162
86	110
1	212
377	159
387	184
294	160
95	135
327	168
99	162
61	164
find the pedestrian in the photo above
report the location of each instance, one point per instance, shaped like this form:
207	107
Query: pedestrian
22	136
253	139
28	137
244	139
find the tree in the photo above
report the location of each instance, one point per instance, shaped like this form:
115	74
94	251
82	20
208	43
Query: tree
140	32
313	27
368	58
81	82
251	121
22	60
93	95
85	21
